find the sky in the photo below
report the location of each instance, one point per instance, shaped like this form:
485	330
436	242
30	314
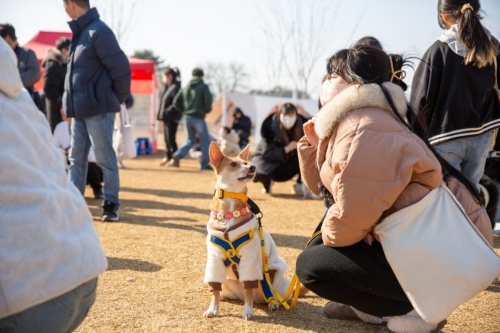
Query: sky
190	33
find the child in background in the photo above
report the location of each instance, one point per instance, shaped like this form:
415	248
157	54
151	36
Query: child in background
453	88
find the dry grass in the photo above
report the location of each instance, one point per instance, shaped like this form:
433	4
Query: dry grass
156	256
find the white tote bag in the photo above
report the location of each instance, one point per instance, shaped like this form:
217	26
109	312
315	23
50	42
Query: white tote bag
439	257
123	136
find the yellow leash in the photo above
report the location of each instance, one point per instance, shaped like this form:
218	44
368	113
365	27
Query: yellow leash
294	283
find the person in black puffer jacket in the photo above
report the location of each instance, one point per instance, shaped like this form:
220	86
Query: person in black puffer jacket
53	80
276	156
168	113
97	81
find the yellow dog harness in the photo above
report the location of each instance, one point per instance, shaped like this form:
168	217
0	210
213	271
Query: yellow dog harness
232	258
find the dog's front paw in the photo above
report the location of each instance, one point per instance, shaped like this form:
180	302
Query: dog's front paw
273	307
211	312
248	312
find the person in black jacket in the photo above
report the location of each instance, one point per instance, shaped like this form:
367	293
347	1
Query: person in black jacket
53	80
27	63
276	157
453	88
168	113
242	126
97	81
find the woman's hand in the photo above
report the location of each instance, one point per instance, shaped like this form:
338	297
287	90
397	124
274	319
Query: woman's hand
311	133
291	146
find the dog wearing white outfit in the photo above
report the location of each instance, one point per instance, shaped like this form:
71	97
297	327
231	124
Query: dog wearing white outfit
234	257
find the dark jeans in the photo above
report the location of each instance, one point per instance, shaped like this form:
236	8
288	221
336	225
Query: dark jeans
283	173
62	314
169	132
357	275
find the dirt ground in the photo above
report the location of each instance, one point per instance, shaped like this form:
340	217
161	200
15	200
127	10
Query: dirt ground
156	256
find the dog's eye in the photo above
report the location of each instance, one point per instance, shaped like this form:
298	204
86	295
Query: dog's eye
233	164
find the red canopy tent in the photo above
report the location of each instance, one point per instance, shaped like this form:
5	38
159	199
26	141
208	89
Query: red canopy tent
143	71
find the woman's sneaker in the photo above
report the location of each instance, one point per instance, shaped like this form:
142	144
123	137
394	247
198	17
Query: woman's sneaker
110	211
341	311
413	323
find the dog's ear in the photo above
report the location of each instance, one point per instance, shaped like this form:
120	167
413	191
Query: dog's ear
244	153
216	156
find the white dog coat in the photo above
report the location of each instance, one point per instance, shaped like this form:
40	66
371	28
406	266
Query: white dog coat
250	264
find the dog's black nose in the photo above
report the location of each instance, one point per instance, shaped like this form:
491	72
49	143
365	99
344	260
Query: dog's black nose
252	168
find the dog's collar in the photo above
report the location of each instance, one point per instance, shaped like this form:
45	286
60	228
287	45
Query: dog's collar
221	194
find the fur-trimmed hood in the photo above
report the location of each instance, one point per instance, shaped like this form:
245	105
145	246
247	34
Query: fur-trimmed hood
357	97
55	55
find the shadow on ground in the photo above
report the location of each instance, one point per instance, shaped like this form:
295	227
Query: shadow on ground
128	215
294	242
306	317
168	193
133	264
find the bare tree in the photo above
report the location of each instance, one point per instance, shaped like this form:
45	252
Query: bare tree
119	15
297	35
231	76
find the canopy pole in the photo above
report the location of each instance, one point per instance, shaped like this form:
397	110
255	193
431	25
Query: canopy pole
224	113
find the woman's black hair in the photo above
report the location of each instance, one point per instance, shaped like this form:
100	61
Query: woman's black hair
364	65
470	30
287	108
174	71
369	41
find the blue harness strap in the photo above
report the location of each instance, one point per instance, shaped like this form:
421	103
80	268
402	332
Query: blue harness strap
266	289
231	247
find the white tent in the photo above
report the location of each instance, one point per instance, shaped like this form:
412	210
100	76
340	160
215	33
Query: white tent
256	107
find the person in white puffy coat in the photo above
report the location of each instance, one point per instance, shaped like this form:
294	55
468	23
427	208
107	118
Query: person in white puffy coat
50	253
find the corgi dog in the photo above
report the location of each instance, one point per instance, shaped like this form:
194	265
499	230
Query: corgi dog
234	255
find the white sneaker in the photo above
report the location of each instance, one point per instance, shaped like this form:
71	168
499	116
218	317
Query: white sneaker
413	323
298	190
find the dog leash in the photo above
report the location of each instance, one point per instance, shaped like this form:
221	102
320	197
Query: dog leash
270	294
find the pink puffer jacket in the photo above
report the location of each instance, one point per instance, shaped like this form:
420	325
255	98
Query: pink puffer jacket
372	164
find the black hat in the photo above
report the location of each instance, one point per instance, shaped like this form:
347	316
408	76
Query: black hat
7	29
198	72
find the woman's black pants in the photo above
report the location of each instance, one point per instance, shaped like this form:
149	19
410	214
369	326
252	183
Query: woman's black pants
170	131
357	275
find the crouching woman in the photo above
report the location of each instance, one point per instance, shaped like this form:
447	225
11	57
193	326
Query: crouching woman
361	154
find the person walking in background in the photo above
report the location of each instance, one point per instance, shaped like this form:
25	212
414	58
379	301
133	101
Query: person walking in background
168	113
50	253
242	125
27	63
276	156
53	80
194	101
97	82
453	88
